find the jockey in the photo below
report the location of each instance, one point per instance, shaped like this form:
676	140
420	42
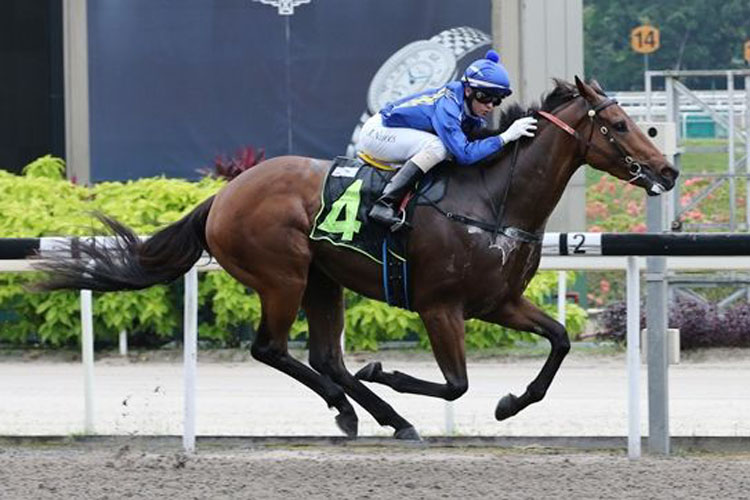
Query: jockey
425	128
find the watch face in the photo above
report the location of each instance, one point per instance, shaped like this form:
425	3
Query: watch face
418	66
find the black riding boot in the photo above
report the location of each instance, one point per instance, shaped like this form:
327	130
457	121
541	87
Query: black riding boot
384	210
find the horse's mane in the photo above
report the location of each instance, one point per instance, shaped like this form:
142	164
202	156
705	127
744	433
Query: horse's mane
562	93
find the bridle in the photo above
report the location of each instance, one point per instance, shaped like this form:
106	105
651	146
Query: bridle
635	167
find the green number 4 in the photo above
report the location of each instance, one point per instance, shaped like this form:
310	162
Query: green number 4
348	203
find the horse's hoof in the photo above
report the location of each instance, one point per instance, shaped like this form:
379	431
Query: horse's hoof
506	407
349	423
408	434
369	371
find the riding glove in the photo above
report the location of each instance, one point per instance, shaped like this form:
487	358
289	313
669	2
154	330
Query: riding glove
523	127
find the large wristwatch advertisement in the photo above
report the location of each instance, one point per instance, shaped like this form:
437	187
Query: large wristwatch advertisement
421	65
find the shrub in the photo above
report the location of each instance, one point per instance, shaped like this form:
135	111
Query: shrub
47	166
613	321
701	324
42	203
735	325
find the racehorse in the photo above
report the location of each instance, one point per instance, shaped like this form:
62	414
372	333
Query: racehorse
471	256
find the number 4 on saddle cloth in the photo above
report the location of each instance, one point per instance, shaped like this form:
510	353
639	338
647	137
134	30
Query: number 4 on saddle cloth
350	189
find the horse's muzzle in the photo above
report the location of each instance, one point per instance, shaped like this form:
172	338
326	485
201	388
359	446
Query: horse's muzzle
661	179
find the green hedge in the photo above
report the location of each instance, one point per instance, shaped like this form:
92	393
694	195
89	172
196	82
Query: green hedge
41	203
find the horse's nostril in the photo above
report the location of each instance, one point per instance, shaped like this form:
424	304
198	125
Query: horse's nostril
670	172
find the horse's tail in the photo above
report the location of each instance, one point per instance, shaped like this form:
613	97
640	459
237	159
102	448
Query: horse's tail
129	263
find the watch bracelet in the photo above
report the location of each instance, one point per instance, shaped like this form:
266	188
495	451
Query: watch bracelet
462	40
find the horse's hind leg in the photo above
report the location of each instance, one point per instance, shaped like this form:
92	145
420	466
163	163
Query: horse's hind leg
279	310
445	327
323	303
525	316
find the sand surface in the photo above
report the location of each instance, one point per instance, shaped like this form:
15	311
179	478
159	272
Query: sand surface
709	396
85	471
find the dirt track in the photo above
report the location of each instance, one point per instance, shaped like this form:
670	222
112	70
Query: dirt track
709	398
124	471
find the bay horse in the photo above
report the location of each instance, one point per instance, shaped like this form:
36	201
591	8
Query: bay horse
471	256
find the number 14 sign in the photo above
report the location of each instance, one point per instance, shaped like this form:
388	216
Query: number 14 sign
644	39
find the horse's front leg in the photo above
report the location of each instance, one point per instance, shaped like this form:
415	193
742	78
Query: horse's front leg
445	327
525	316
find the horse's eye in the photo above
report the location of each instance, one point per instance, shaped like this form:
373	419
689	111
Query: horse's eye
620	126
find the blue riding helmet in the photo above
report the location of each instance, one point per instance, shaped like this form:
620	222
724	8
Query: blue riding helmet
488	75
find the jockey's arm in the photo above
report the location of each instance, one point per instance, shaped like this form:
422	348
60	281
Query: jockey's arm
482	133
522	127
446	122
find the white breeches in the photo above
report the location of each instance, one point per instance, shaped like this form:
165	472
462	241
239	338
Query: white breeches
397	144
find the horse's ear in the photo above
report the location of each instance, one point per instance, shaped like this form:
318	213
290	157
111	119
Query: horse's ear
595	85
587	92
581	86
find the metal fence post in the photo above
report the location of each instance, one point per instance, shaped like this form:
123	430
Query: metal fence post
190	357
656	323
634	358
87	355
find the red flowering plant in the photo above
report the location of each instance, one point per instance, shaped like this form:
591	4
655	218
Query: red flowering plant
611	206
614	206
229	167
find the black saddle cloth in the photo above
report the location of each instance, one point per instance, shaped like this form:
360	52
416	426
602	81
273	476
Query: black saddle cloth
351	188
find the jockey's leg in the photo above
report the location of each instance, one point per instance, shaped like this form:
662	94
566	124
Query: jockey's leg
421	150
386	207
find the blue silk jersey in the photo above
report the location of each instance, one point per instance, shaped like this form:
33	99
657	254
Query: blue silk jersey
441	112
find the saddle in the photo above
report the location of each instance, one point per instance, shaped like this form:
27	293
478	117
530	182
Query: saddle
351	188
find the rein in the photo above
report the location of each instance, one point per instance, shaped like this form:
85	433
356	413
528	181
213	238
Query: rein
501	212
496	228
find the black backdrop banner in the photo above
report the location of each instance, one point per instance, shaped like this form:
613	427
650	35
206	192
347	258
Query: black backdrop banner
174	83
32	113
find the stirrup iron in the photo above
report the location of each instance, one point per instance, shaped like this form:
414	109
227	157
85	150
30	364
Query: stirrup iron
401	223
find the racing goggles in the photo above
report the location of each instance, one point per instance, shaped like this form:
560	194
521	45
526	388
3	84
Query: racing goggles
487	98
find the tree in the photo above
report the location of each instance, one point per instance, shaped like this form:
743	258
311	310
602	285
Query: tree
695	34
